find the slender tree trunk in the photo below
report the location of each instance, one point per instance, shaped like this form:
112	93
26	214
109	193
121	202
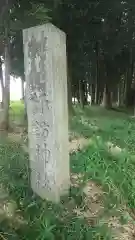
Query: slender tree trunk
97	75
119	96
69	85
2	82
125	90
70	106
86	94
93	93
121	90
107	101
90	94
80	94
4	124
128	90
129	77
77	93
101	96
6	102
97	94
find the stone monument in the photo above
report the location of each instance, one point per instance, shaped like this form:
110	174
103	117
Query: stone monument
46	95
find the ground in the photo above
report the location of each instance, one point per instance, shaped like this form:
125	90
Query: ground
101	201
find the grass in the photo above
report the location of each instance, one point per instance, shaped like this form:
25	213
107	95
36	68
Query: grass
16	112
114	173
45	220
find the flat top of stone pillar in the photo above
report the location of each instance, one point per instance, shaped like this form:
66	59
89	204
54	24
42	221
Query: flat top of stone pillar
42	27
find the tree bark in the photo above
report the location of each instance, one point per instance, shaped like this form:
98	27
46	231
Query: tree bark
69	86
129	77
97	74
2	82
119	96
4	125
121	90
107	101
81	94
6	99
92	93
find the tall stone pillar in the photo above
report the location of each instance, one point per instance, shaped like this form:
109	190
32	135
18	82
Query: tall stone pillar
46	96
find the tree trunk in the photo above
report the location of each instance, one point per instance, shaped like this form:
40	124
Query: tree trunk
97	74
107	101
97	94
92	93
69	86
70	106
129	77
6	100
4	124
121	90
119	96
2	82
82	96
101	96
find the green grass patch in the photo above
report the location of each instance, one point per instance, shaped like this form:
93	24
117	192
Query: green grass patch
45	220
17	112
114	173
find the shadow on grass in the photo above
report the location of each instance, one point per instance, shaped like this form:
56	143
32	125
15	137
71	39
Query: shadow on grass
116	128
80	129
96	111
112	133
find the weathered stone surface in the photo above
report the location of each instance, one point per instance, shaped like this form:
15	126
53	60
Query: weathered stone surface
46	95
